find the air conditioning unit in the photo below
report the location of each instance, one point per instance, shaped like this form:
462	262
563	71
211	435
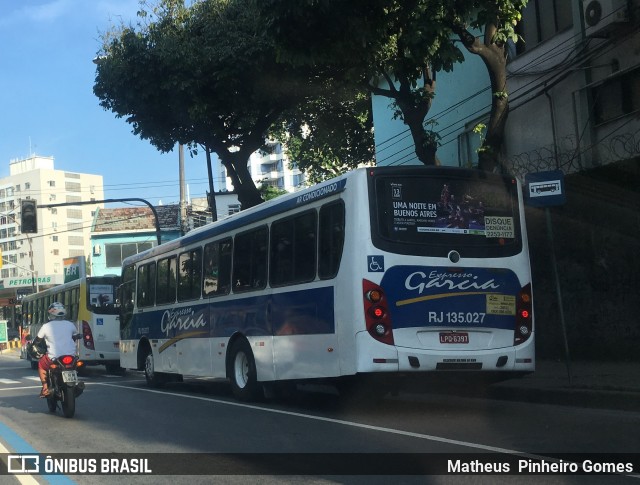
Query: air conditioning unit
603	17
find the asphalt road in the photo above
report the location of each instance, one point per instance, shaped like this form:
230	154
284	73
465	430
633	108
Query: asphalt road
198	428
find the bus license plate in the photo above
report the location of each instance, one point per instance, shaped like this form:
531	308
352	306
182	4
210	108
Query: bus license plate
69	376
454	338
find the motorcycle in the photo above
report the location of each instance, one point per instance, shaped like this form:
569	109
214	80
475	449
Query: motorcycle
64	385
62	380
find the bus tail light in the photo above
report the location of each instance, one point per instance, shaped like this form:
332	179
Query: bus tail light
87	336
376	312
524	316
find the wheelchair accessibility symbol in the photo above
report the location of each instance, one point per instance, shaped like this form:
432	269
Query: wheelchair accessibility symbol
375	264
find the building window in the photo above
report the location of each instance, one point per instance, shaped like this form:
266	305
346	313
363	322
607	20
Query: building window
27	186
618	96
234	208
115	253
52	183
542	20
54	238
18	188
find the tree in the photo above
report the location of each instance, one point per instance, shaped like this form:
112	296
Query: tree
269	192
330	135
498	20
200	75
396	47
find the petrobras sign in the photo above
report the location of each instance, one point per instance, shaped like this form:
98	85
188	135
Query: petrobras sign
28	281
74	268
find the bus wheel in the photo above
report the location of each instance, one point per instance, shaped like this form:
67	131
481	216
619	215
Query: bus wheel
154	379
242	371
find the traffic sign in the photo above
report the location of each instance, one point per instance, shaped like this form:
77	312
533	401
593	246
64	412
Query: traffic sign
545	189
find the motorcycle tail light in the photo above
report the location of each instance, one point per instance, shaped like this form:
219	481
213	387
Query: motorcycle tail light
67	359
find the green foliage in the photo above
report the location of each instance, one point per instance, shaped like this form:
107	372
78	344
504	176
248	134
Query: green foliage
269	192
330	135
394	47
200	75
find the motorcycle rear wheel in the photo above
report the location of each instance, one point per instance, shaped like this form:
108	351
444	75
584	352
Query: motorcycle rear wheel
68	402
52	403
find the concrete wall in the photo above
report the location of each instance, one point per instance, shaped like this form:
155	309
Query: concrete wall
597	247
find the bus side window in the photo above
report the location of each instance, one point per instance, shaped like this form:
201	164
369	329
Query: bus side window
127	293
166	281
331	242
146	289
293	250
217	268
190	275
250	260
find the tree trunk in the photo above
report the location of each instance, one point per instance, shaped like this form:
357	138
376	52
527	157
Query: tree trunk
495	60
413	110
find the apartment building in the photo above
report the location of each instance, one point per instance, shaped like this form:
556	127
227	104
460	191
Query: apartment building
270	166
35	261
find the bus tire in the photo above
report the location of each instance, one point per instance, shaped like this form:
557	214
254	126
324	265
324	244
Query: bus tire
242	371
154	379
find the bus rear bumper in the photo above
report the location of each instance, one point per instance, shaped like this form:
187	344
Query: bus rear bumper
374	356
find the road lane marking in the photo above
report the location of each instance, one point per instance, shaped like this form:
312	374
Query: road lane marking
20	446
24	479
342	422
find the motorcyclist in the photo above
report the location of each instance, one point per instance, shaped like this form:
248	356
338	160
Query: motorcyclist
60	335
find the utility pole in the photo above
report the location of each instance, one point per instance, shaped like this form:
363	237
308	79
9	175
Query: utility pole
183	202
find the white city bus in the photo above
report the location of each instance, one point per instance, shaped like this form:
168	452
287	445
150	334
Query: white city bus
389	271
90	302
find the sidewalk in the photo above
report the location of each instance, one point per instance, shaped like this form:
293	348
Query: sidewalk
611	385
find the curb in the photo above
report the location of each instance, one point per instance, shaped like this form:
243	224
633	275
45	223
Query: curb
586	398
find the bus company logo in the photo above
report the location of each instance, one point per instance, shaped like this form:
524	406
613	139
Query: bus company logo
182	319
20	464
421	281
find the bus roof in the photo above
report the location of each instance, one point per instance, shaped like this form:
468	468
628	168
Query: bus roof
257	213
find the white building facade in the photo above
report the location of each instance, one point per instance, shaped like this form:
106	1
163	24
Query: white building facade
31	261
271	166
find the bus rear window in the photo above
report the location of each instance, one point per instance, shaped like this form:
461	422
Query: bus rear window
476	214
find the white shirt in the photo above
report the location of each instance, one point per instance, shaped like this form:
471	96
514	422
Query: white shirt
58	335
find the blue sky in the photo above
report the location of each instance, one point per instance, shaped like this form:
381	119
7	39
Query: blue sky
47	105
